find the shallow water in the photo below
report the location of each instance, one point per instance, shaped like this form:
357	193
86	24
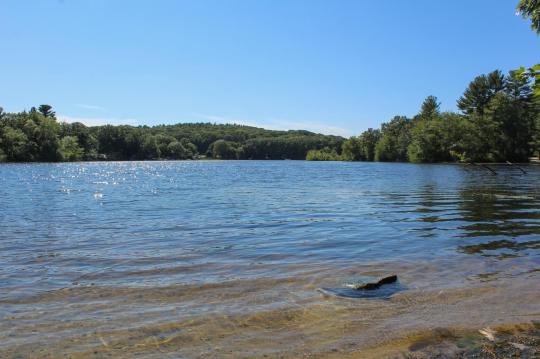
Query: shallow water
224	259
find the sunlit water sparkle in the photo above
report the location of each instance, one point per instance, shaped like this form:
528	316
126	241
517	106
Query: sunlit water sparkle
269	232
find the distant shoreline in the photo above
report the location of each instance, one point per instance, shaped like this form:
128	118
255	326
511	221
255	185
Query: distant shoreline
531	163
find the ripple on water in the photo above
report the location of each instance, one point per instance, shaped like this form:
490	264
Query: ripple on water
231	253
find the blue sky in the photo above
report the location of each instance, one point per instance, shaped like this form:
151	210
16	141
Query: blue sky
332	66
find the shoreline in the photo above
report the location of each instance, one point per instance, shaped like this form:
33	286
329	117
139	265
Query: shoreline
531	163
501	341
281	318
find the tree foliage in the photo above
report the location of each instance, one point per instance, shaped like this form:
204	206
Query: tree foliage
479	92
431	108
325	154
361	148
69	149
46	110
499	121
224	150
394	141
530	9
36	135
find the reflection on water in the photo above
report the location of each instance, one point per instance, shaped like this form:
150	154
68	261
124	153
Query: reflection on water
200	254
513	246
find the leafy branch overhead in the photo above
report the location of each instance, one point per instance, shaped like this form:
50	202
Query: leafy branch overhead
530	9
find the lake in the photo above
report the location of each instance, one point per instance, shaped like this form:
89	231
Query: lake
206	259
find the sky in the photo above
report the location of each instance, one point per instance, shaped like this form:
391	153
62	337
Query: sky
333	66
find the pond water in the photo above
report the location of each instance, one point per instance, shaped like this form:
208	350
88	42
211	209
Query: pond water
224	258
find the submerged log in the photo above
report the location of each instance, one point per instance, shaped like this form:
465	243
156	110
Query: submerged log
486	167
521	169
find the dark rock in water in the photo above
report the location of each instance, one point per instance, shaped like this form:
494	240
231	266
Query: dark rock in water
375	285
367	287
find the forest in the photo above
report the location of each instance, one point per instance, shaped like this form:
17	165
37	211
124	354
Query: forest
37	136
499	121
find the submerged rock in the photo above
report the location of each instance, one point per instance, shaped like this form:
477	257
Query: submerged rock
366	287
368	283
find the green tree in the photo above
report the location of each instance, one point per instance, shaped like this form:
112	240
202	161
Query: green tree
325	154
361	148
224	150
15	145
163	141
191	149
480	91
177	151
119	142
69	149
430	108
368	143
150	148
425	146
351	150
46	137
501	117
436	140
86	140
46	110
530	9
520	127
515	124
395	140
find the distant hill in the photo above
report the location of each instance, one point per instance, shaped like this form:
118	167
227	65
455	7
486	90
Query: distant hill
38	136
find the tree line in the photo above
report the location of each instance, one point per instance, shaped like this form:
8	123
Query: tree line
499	121
37	135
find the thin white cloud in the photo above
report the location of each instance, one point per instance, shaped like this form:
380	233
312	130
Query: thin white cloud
91	107
281	125
98	121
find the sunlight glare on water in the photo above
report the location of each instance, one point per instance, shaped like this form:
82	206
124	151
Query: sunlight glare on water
253	236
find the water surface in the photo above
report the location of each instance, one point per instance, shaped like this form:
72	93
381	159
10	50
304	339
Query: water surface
195	258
